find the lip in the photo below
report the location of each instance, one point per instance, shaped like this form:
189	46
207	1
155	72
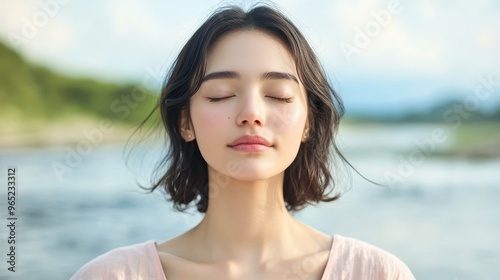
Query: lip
250	143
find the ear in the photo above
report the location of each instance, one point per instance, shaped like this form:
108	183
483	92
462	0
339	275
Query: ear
186	128
306	132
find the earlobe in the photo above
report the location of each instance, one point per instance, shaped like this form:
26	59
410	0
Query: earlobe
187	135
306	132
187	132
305	135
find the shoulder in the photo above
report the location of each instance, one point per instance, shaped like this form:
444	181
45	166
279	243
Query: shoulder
355	259
129	262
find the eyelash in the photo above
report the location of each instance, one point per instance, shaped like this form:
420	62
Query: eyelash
217	99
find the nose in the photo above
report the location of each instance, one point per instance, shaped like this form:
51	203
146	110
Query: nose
251	110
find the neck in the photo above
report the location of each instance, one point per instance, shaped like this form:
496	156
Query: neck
244	219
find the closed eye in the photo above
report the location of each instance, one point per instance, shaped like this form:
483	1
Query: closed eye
284	100
216	99
280	99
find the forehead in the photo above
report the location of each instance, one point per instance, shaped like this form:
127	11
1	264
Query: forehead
250	52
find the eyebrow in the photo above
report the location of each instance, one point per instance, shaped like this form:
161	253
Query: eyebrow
278	76
235	75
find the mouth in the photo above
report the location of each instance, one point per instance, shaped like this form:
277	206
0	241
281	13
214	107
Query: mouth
247	147
250	143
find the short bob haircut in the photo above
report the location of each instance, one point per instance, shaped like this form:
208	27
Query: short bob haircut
309	177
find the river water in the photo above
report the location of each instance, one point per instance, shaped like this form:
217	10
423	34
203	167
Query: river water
440	216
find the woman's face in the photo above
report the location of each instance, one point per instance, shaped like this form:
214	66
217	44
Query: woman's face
251	87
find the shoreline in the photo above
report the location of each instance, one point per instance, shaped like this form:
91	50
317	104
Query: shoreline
32	135
38	135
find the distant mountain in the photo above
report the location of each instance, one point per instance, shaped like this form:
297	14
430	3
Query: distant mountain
29	91
32	92
449	111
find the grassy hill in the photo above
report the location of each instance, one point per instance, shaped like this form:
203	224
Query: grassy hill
41	107
35	100
32	91
447	111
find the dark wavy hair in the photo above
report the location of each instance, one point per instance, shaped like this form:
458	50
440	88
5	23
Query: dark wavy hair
183	172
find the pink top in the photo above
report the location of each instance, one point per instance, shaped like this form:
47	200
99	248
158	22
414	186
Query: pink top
349	259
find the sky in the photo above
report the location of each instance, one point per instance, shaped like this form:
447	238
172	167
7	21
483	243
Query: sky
384	56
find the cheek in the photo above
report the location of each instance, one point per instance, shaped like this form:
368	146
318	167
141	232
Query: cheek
206	122
288	120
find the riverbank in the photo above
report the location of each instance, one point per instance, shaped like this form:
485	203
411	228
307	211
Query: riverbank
475	141
30	134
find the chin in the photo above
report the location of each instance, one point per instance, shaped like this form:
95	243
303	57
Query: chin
251	175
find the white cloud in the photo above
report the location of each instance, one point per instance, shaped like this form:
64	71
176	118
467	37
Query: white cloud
12	18
426	38
58	36
453	40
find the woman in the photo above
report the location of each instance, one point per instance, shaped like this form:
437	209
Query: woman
251	120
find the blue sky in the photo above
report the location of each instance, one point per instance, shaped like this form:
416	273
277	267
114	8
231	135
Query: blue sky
382	56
